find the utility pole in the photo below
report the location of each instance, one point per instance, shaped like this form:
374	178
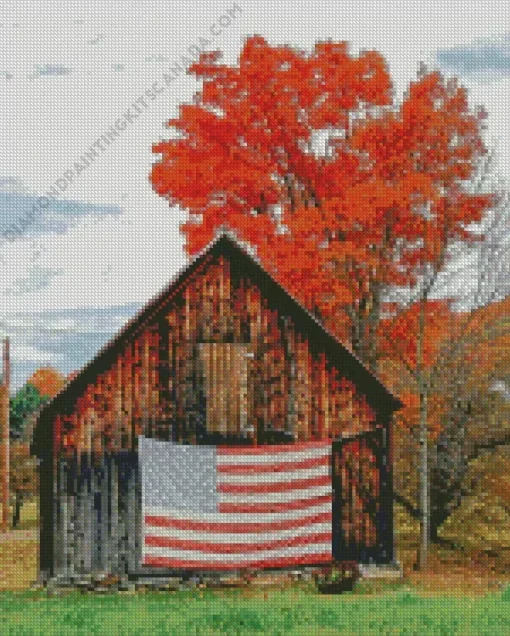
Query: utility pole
4	435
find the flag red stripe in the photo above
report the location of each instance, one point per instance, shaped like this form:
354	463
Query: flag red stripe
282	562
185	524
276	486
270	450
277	467
297	504
237	548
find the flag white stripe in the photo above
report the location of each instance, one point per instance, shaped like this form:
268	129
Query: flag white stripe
225	517
273	458
196	555
268	478
274	497
234	537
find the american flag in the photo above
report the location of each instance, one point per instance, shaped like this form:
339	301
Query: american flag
234	507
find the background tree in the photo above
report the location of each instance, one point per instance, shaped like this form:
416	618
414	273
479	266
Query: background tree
42	385
48	381
453	350
26	401
465	360
23	478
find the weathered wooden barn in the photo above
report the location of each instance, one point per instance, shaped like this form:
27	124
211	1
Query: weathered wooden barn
224	355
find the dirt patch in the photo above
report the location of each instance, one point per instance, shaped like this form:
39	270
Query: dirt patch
19	535
18	562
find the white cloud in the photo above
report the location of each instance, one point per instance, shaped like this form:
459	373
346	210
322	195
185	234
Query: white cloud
97	58
24	352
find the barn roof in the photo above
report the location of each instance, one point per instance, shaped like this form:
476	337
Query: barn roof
224	244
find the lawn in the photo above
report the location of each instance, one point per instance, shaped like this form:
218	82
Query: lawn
453	598
297	610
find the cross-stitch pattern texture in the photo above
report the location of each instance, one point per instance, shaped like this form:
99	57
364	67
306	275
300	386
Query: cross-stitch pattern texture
254	282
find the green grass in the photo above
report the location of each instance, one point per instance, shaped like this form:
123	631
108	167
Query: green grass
297	610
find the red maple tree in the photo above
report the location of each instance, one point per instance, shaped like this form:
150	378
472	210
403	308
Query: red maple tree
310	158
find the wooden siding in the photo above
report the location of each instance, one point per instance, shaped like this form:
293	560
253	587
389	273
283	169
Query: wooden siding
160	383
97	515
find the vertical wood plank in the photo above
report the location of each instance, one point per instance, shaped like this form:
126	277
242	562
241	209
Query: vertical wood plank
132	520
72	527
163	379
105	510
290	374
95	536
113	552
88	515
118	419
60	528
79	518
138	512
128	395
385	517
243	363
123	513
144	385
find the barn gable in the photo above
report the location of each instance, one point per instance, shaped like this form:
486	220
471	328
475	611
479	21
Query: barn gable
230	264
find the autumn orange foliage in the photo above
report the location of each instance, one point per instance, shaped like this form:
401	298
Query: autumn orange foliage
473	346
47	380
310	158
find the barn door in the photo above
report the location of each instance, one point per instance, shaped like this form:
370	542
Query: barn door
225	389
356	477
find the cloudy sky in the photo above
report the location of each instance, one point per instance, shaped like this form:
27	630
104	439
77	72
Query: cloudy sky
68	71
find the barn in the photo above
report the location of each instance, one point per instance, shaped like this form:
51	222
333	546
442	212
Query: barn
223	363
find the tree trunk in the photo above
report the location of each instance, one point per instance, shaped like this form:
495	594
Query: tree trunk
365	320
374	316
448	469
18	503
423	388
357	334
424	482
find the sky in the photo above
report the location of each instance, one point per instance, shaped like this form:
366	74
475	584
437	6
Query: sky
69	71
